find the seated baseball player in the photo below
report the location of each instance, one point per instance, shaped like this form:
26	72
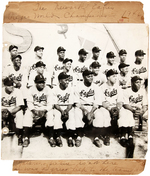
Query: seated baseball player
12	105
122	55
98	77
63	109
87	99
39	69
135	100
40	106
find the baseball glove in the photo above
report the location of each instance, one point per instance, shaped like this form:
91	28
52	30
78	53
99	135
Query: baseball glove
5	114
114	113
39	115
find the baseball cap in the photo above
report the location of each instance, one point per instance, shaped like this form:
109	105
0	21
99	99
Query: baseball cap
8	82
140	53
82	52
12	47
122	51
60	49
110	55
67	60
122	65
95	49
135	78
39	64
87	72
95	64
39	79
38	48
110	73
63	75
18	56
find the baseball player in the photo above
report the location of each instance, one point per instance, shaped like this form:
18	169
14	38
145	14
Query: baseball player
80	65
63	109
40	106
111	64
87	100
13	50
138	68
98	77
39	69
12	105
124	76
58	65
122	55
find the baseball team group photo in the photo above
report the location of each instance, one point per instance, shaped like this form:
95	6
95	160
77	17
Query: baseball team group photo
74	91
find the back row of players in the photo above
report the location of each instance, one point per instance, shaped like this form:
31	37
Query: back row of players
79	94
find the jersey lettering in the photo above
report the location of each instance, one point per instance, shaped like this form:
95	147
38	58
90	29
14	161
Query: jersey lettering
79	70
138	71
17	78
110	93
90	93
42	98
10	102
63	99
57	67
138	99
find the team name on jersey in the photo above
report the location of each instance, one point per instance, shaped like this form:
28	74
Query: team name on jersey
17	78
79	69
63	99
137	99
42	98
10	102
90	93
138	71
110	93
57	67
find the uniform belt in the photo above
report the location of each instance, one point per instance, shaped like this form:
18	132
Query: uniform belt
79	79
87	104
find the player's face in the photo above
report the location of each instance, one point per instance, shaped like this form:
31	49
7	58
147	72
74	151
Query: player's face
83	57
88	78
96	55
137	84
61	54
111	60
40	70
123	57
9	89
39	53
40	86
68	65
17	62
64	82
14	52
125	70
96	70
113	78
139	58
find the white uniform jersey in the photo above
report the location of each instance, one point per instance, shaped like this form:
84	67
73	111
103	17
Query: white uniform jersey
99	79
107	67
63	97
135	99
124	81
40	100
112	94
33	74
12	100
88	95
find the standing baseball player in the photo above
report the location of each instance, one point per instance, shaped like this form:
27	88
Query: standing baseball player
98	77
63	109
111	64
122	55
80	65
13	50
58	65
139	69
40	106
12	105
124	76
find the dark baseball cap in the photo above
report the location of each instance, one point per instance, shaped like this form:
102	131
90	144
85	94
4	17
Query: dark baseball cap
82	52
122	65
39	79
17	56
38	48
95	49
110	55
8	82
12	47
135	78
140	53
60	49
87	72
67	60
39	64
95	64
122	51
63	75
110	73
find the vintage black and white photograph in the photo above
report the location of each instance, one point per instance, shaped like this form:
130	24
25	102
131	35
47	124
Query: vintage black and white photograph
74	91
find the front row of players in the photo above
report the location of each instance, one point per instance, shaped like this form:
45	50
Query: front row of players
100	111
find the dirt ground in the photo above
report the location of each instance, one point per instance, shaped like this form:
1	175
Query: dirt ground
39	148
